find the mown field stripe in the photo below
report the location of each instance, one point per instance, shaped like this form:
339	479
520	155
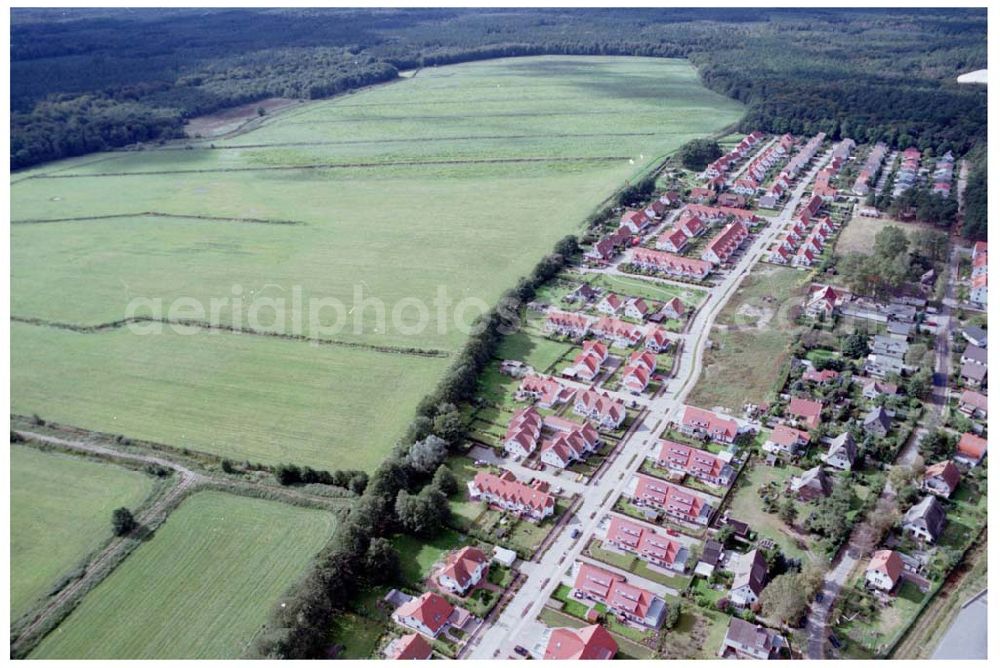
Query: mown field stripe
158	214
229	329
345	165
411	140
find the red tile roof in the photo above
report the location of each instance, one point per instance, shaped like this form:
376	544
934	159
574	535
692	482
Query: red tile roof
692	460
590	642
708	421
430	609
971	446
888	562
462	564
946	471
667	496
507	486
806	409
408	647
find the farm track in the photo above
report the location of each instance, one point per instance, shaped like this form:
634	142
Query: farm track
407	140
231	329
96	570
344	165
158	214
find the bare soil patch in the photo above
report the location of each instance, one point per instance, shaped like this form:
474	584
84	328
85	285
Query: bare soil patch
229	120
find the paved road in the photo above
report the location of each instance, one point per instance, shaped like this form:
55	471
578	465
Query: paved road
968	634
519	619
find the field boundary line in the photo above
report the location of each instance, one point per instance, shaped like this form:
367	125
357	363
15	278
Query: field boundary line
345	165
229	329
158	214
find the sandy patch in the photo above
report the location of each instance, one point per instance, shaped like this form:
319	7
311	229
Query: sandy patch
228	120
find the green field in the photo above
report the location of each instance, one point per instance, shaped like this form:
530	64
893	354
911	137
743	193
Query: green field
200	588
454	181
60	511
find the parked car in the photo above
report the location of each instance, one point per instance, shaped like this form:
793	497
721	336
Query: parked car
521	651
575	533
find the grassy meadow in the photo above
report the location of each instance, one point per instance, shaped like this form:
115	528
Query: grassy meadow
200	588
456	180
60	512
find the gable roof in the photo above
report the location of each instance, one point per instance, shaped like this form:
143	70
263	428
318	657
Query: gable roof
971	446
888	562
462	564
590	642
409	647
750	571
928	513
946	472
430	609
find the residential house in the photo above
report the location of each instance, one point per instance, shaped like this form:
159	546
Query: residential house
884	570
711	554
979	291
655	209
824	300
572	442
874	388
572	325
970	449
638	371
745	640
975	355
531	501
807	411
587	365
644	542
545	390
674	309
749	578
811	375
974	375
637	308
887	345
409	647
704	466
611	304
673	240
602	408
635	221
584	293
786	440
617	332
812	484
661	262
842	452
523	432
657	340
463	570
881	366
589	642
725	243
973	404
941	479
706	424
428	614
691	225
877	422
626	601
671	500
925	521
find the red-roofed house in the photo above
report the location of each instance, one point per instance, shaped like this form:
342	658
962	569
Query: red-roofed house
463	570
523	431
787	440
635	221
674	309
821	377
674	240
547	391
725	243
657	339
408	647
617	332
661	496
600	407
573	442
669	264
587	365
691	225
942	478
700	422
884	570
971	449
806	410
590	642
645	542
428	614
780	254
636	308
505	491
611	304
697	463
626	601
567	324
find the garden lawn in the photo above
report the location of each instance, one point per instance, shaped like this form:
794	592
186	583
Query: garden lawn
358	636
418	555
201	588
442	188
751	340
747	506
60	512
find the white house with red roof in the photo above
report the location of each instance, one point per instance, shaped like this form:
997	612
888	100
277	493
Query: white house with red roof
823	377
635	221
671	500
545	390
725	243
505	491
638	371
970	449
657	339
696	463
409	647
602	408
807	411
825	300
523	431
627	601
979	290
941	479
655	209
703	423
691	225
780	254
646	543
617	332
572	442
590	642
636	308
463	570
428	614
786	440
573	325
611	304
884	570
673	240
669	264
674	308
587	365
